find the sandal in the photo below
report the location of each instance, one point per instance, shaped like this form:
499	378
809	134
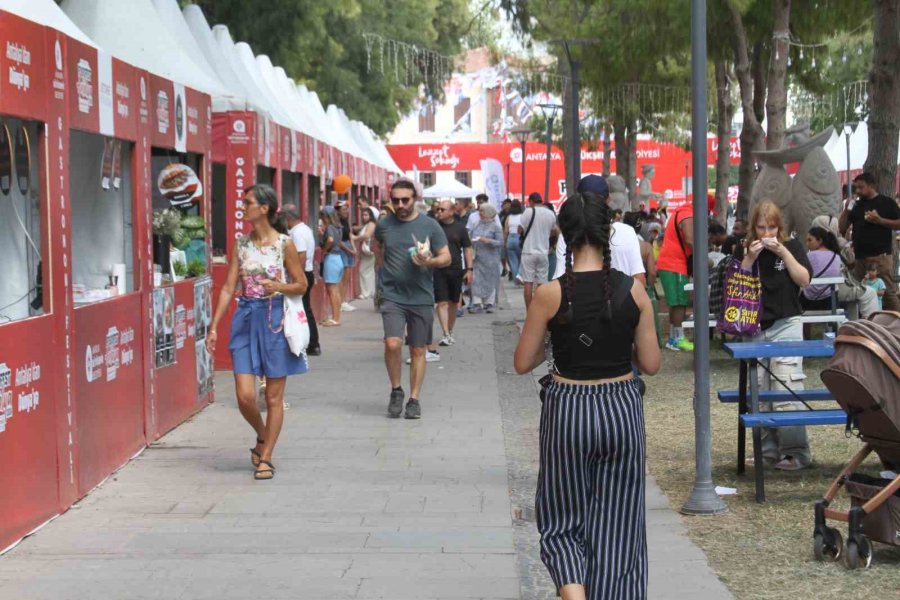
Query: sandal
330	323
262	474
254	455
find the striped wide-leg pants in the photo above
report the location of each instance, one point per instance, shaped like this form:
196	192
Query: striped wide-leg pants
590	491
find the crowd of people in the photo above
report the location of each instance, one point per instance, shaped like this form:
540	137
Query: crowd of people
589	279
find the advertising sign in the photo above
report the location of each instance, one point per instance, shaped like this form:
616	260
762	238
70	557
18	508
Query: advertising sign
164	326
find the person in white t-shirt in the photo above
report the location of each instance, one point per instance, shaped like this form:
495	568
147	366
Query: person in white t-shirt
538	224
624	246
305	242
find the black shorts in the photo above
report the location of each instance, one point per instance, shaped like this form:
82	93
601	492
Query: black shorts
414	321
448	284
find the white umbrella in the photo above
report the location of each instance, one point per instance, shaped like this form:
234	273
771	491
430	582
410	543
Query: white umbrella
450	188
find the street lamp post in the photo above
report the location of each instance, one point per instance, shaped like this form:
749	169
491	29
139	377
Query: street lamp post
549	111
521	134
703	499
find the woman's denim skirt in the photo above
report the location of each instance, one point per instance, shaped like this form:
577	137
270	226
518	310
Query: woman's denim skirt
256	348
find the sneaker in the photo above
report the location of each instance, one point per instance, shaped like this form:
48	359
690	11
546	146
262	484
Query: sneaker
395	406
489	308
460	313
413	410
476	309
447	340
685	345
429	357
788	463
346	307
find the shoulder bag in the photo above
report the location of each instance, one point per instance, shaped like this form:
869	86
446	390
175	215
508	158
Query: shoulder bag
530	223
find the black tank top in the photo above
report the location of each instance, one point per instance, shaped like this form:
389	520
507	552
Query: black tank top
587	347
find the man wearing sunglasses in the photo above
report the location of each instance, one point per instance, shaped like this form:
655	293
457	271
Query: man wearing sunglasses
408	246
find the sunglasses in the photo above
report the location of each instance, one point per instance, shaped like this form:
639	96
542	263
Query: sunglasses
401	200
437	210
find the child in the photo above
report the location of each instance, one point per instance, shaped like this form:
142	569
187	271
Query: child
873	281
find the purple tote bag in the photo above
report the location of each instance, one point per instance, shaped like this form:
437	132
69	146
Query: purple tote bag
741	301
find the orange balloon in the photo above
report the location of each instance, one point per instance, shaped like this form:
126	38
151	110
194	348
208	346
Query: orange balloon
342	184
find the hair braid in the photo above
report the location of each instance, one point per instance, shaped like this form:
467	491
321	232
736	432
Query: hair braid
606	315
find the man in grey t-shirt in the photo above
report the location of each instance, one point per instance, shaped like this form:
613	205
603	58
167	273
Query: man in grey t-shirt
407	247
539	223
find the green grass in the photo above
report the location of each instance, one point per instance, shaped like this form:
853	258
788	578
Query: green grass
760	551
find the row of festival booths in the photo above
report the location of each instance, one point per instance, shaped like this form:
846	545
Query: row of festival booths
103	317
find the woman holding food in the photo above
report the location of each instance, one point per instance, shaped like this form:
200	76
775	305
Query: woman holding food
260	263
784	270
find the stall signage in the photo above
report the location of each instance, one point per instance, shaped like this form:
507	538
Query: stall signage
59	74
125	100
93	362
5	395
143	101
105	87
239	168
180	118
19	394
162	112
22	83
180	326
112	353
198	116
82	67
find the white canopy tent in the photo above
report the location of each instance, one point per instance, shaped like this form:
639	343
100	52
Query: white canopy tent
450	188
219	60
267	75
46	12
339	123
138	36
245	61
173	19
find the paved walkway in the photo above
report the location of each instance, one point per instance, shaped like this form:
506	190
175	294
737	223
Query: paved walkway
362	506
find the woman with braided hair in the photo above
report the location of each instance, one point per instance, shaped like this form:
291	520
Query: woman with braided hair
590	494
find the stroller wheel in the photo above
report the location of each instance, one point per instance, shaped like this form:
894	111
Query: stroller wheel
858	556
829	549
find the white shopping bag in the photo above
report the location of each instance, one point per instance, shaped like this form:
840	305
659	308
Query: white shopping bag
296	326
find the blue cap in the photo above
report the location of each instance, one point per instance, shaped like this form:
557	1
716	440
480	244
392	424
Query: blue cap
328	210
594	184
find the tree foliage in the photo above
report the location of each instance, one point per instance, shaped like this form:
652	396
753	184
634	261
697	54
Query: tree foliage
321	45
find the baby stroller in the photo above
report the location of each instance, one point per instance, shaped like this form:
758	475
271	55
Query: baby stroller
864	376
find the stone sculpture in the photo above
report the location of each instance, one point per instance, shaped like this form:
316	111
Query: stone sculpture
618	193
815	188
645	187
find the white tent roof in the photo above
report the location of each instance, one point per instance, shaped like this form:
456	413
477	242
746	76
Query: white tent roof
244	60
267	74
859	147
450	188
171	16
367	139
137	35
216	58
288	90
342	136
386	159
47	13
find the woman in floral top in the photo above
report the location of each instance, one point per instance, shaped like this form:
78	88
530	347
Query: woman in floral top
258	347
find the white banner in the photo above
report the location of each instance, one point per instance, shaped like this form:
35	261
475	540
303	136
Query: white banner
494	181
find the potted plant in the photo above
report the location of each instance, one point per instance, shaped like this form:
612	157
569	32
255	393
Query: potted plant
196	268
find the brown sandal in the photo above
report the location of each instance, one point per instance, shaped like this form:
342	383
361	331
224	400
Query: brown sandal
254	455
264	474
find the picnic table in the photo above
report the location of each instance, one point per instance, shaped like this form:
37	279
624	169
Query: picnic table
749	395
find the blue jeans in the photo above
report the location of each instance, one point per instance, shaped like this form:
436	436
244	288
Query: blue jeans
513	253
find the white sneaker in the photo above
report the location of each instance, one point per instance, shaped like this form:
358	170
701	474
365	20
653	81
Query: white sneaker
429	357
346	307
447	340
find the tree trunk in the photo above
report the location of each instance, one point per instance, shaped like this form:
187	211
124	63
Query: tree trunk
751	132
621	150
607	151
884	97
569	150
724	115
631	178
776	99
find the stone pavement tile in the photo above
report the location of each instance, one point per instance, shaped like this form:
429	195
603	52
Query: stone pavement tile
261	542
412	521
140	586
431	564
420	539
411	587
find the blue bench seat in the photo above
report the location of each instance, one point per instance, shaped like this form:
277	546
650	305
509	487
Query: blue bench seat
731	396
794	418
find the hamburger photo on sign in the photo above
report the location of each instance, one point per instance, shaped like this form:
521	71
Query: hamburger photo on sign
179	184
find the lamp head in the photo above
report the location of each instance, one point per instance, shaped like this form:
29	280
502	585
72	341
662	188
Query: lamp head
550	111
521	134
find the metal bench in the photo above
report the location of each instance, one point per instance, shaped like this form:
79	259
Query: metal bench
750	354
794	418
734	396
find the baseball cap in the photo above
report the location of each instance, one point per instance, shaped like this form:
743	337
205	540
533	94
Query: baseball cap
594	184
328	210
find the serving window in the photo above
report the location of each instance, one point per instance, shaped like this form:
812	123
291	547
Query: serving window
22	244
179	221
102	202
